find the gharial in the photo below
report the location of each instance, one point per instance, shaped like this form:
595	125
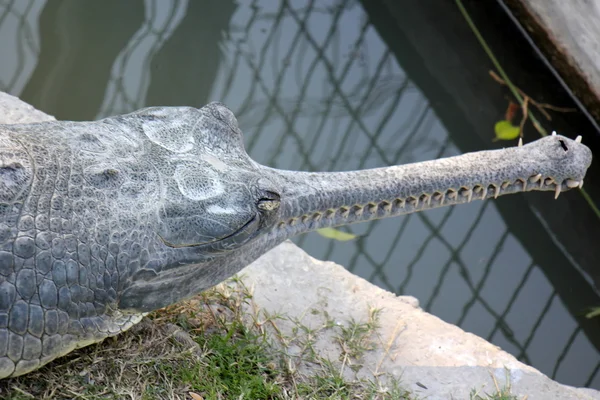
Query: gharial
104	221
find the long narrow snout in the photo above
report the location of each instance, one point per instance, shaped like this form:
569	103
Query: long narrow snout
315	200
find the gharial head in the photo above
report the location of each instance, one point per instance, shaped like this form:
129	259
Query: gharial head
135	212
219	210
213	194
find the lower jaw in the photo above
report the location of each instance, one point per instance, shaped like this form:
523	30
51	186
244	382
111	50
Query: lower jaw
400	206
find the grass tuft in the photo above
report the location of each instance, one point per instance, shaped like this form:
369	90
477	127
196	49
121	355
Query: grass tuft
216	345
501	393
219	345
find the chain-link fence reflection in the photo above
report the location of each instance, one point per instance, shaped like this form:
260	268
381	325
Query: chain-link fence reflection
19	42
315	88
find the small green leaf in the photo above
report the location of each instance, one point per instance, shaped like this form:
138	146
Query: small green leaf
506	131
331	233
594	313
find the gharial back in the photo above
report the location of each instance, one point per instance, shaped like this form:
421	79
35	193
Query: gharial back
70	233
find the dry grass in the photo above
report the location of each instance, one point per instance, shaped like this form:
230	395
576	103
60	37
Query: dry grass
501	393
211	347
218	345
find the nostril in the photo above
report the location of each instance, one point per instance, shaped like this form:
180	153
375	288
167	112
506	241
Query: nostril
563	145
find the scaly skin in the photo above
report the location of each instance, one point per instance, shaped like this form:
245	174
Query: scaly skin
102	222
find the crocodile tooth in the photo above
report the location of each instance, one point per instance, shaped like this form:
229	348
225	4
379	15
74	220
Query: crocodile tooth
524	185
556	192
572	183
496	192
484	194
578	139
581	184
387	206
520	142
553	133
469	195
535	178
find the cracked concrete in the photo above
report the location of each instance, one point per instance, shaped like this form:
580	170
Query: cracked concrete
434	359
424	351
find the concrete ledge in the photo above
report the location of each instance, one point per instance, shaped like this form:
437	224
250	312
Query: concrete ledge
416	346
15	111
568	32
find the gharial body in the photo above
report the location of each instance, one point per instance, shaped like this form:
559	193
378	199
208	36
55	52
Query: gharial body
102	222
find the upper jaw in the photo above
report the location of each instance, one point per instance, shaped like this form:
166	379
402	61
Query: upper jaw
552	164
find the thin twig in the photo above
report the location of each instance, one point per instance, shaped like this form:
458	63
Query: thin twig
540	106
396	332
525	115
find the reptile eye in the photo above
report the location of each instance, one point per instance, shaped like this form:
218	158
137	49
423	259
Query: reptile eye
563	145
269	202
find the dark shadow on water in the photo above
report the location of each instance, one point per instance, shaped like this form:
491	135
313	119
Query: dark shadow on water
79	43
188	81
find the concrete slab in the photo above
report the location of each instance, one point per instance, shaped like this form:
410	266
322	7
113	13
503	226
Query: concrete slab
15	111
416	346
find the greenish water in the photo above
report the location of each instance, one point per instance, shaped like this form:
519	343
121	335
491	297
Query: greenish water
317	86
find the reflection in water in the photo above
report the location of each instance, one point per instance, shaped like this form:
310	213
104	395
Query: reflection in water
315	88
80	40
19	43
130	76
198	36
